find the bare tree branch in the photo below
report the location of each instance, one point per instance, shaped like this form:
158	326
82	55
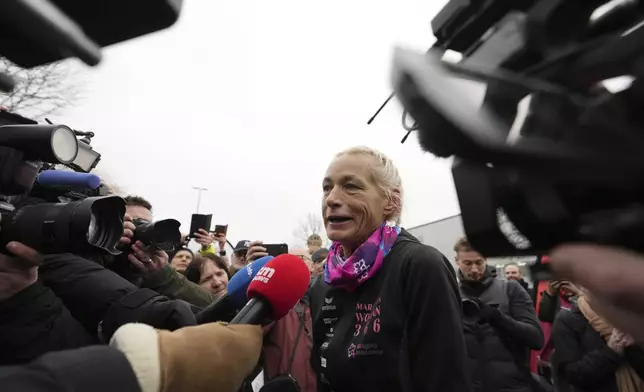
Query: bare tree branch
311	224
40	91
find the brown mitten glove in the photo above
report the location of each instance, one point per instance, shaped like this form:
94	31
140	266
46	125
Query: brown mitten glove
209	357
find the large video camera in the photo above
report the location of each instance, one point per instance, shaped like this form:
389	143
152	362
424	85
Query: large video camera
569	172
51	219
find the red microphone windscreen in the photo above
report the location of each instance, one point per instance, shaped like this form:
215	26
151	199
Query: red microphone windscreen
282	282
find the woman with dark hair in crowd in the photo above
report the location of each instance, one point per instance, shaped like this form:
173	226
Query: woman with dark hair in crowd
210	272
387	314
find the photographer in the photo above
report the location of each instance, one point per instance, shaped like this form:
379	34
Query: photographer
151	268
501	325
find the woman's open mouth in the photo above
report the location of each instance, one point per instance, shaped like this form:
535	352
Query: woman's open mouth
337	220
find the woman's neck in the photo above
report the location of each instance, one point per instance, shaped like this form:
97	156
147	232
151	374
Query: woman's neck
350	247
347	250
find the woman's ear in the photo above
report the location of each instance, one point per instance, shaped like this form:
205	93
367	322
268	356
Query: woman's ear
393	205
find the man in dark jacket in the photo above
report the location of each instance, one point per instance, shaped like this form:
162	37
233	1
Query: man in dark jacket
500	325
512	271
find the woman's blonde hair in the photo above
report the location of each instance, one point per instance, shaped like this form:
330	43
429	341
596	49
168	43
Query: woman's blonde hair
386	176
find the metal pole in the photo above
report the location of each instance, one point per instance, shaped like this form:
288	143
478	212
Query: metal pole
199	190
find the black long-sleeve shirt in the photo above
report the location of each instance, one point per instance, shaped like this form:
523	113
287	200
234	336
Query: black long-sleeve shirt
399	331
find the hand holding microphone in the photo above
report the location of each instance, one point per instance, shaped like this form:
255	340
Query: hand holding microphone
215	356
226	307
275	290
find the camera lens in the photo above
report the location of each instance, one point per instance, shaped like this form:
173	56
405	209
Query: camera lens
94	222
164	234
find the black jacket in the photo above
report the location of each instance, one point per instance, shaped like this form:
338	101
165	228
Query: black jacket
102	300
399	331
582	359
500	336
34	322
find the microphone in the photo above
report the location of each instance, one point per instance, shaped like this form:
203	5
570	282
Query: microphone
226	307
275	290
69	179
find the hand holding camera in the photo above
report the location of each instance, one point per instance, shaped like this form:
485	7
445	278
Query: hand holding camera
147	259
221	239
128	231
255	251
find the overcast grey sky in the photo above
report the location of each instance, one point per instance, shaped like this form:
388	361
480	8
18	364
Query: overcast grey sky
251	99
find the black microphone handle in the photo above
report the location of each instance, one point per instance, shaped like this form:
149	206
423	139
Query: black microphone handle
222	309
255	311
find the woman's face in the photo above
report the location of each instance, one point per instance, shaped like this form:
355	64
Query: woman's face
213	279
181	260
353	205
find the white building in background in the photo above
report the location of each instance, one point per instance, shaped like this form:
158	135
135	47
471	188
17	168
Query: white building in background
442	234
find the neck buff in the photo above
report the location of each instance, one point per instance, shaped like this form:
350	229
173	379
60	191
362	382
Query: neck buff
365	261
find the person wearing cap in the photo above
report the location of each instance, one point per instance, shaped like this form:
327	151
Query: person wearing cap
319	257
240	252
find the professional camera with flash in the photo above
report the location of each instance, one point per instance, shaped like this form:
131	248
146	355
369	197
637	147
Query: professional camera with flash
571	172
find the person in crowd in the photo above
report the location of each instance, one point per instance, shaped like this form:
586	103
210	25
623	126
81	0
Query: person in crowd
313	243
304	255
143	359
72	301
210	272
386	316
160	276
288	343
614	277
591	355
560	294
208	240
239	259
181	259
513	272
319	258
501	325
137	210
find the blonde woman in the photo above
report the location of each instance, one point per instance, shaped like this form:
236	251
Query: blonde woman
386	315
